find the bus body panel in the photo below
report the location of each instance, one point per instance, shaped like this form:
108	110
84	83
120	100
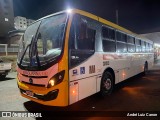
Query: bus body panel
62	98
47	74
84	79
84	84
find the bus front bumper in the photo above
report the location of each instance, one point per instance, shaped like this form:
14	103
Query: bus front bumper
54	96
46	97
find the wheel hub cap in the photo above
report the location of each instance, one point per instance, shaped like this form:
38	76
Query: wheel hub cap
107	83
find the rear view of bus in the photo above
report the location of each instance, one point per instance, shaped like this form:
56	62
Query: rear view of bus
42	61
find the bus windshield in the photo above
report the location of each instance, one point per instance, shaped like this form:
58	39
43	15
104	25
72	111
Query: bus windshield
42	42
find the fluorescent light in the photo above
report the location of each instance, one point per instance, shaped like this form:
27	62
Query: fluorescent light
69	10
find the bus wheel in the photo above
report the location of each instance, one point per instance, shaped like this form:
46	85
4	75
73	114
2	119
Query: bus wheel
106	84
145	68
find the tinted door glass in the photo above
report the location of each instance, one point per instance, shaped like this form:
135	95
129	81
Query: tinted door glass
82	40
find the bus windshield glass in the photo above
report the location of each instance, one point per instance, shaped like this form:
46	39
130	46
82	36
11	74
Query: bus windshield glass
42	42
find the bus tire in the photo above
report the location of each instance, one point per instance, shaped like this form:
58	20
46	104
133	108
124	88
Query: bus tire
107	84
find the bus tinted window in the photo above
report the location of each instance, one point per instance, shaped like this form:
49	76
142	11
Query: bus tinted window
138	45
150	47
130	40
131	48
121	47
118	36
86	42
105	32
138	42
138	48
108	33
112	34
82	36
143	46
82	39
109	46
147	47
121	37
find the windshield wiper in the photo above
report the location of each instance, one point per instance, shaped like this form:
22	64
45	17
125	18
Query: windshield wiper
24	53
37	58
30	47
33	51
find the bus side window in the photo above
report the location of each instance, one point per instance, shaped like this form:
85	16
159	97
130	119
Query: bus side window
138	45
147	47
121	47
131	43
86	37
150	48
108	39
109	46
121	42
143	46
81	41
123	37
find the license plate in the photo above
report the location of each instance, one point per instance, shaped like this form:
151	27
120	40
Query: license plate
29	93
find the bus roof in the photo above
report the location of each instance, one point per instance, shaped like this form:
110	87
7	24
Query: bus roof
93	17
111	24
102	20
106	22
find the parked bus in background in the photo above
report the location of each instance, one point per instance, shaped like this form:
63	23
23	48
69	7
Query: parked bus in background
70	55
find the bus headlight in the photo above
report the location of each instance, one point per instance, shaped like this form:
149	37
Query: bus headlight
51	82
56	79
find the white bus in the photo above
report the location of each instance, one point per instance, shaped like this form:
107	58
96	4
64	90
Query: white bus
70	55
